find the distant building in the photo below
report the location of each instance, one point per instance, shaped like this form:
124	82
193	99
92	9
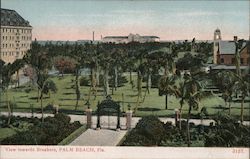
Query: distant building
16	36
130	38
224	51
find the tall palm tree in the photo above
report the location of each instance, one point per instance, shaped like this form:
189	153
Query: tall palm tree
194	92
225	81
166	87
180	93
242	86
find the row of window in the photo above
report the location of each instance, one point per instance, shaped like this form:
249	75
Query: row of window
12	53
10	30
232	61
17	37
11	45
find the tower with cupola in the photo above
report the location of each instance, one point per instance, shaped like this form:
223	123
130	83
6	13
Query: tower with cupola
217	39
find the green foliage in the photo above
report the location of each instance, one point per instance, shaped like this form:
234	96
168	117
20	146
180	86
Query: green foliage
50	132
84	81
49	85
148	131
227	133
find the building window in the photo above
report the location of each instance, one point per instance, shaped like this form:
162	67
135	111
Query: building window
241	60
233	60
222	60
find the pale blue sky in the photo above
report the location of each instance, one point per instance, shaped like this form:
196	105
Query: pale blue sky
170	20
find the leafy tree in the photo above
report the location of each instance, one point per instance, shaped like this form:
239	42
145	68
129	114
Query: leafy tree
6	73
49	86
64	64
37	58
17	65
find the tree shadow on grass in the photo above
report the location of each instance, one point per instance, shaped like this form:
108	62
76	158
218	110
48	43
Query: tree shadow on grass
132	95
247	101
66	99
219	107
22	102
69	93
23	96
149	109
35	98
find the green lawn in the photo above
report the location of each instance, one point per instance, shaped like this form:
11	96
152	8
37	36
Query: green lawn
153	104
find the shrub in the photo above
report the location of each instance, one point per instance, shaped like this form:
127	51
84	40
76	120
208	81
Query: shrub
28	90
84	81
50	132
152	128
227	133
63	118
134	138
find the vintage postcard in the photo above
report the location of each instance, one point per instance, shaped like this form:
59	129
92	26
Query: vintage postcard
124	79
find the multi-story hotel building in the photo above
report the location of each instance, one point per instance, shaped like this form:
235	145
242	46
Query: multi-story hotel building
16	36
130	38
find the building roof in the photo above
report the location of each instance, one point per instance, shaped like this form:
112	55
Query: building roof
150	36
12	18
132	35
228	47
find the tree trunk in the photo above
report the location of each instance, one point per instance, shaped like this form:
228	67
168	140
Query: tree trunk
139	83
130	76
41	102
97	75
38	94
188	131
8	106
242	111
18	78
106	84
93	80
77	88
229	104
116	77
166	101
180	116
149	83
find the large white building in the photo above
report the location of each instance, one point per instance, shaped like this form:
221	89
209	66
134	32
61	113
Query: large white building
16	36
130	38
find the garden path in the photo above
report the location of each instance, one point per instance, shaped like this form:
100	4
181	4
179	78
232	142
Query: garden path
102	137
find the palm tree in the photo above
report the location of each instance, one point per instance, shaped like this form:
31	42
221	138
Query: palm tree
242	86
194	92
180	92
225	80
166	87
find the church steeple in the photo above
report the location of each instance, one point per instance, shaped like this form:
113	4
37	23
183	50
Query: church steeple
217	39
217	35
